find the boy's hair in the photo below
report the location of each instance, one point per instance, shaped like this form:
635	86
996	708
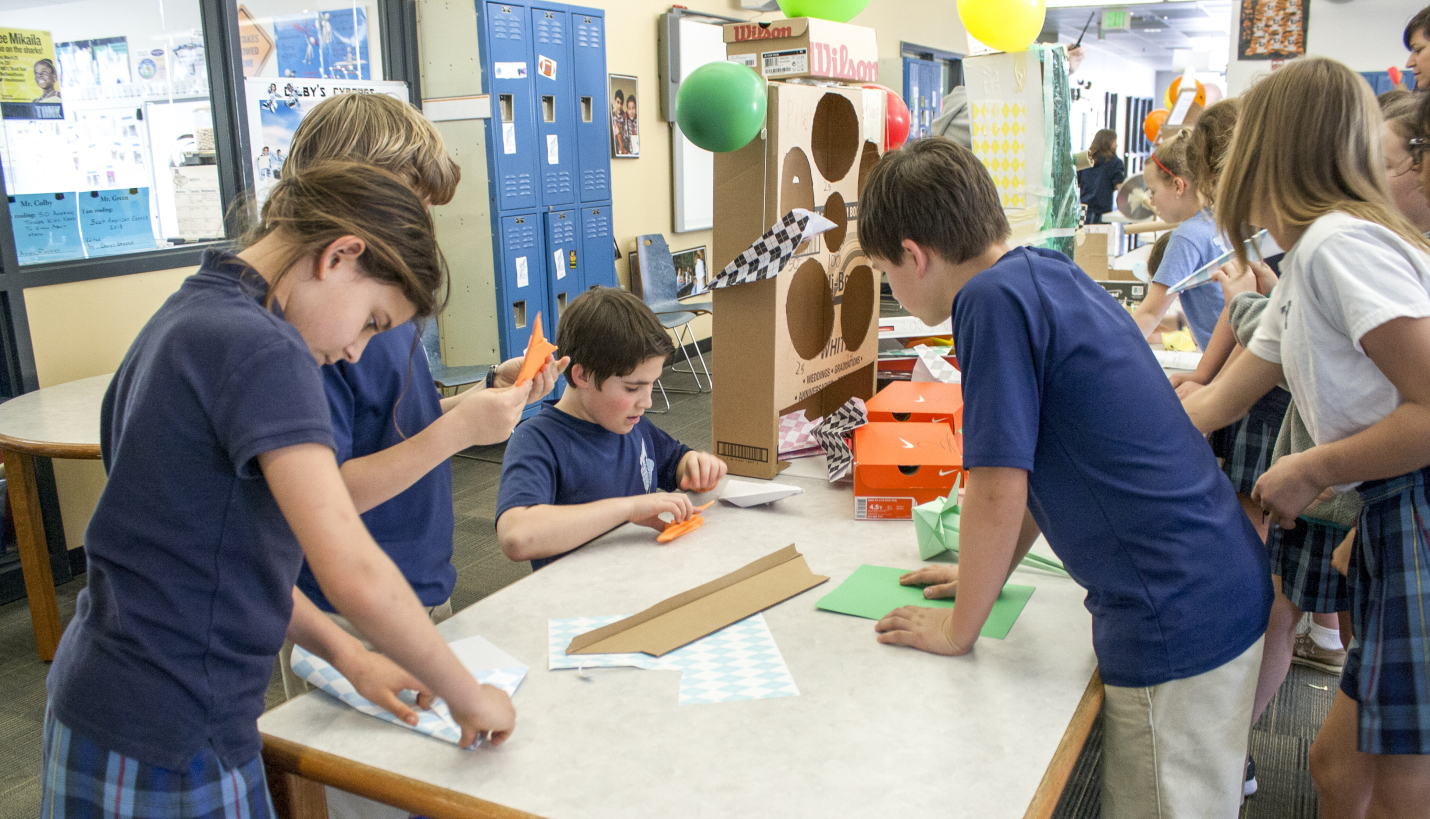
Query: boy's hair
315	206
1403	116
1169	159
1206	147
936	193
1393	97
1308	144
1159	249
381	131
1104	144
610	332
1420	22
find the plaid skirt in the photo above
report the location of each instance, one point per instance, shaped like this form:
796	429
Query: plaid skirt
1245	446
1387	670
81	779
1302	558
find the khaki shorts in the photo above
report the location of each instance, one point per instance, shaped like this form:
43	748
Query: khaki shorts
293	685
1179	749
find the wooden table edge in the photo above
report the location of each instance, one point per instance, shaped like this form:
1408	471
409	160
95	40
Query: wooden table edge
298	773
1060	768
49	449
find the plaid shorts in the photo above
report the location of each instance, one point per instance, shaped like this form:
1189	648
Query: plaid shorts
1302	558
81	779
1245	446
1387	670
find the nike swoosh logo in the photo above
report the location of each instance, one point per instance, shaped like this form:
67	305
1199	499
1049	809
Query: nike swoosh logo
943	474
906	444
919	399
938	420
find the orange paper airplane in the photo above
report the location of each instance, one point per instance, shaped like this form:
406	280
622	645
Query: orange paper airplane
537	349
684	528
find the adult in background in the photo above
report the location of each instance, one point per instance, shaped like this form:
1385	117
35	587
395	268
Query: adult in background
1417	39
1099	183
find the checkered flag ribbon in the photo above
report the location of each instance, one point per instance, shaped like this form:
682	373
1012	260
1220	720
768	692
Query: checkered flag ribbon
435	721
838	426
796	433
935	367
767	256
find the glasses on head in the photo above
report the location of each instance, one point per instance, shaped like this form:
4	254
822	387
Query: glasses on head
1418	147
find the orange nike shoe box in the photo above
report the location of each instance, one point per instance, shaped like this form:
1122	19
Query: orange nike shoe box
929	402
898	466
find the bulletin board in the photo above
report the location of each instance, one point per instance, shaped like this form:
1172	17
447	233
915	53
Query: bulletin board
693	168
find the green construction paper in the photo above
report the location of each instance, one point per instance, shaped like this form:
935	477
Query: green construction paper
874	591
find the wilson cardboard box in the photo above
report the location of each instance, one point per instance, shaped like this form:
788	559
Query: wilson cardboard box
898	466
804	47
925	402
808	337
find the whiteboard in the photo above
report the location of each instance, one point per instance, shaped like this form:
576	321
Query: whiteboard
694	168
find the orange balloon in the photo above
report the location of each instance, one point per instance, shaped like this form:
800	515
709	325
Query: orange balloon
1199	99
1152	125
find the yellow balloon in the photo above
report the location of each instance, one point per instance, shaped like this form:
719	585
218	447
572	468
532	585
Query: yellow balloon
1007	25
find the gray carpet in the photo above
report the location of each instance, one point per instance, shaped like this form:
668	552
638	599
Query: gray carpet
1279	743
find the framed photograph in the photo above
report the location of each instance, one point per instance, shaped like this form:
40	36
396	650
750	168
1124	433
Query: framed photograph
625	124
691	272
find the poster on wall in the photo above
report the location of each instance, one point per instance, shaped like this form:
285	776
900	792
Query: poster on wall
690	272
29	80
625	127
276	108
323	45
1273	29
89	63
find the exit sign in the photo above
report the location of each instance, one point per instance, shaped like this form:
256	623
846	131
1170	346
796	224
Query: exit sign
1116	21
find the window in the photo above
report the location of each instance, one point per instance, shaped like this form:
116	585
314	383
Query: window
107	141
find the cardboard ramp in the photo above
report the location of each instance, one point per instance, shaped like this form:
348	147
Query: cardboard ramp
703	610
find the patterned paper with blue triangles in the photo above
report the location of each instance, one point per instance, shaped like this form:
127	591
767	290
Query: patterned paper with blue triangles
738	662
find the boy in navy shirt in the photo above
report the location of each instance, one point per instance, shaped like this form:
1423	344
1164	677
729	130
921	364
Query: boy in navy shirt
1071	428
590	461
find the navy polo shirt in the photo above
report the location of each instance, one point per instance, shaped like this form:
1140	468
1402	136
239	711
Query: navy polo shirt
191	563
377	402
1058	381
557	459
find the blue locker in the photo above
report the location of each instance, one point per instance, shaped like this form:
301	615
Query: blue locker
598	249
511	131
593	119
564	275
555	107
521	286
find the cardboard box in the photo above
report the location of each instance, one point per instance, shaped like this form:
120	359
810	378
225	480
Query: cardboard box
804	47
927	402
807	338
1132	292
899	466
1091	252
703	610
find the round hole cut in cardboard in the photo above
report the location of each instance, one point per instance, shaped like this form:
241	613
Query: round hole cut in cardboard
809	310
856	306
796	182
835	140
868	158
835	212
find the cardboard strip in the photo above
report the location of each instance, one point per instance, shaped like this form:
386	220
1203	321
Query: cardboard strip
688	616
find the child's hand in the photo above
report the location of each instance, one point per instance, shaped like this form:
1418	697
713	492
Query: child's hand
921	628
1178	379
1186	388
701	471
647	509
942	581
381	681
541	385
1287	488
489	416
1235	278
484	711
1341	557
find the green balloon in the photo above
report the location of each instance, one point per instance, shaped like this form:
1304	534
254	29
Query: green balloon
721	106
840	11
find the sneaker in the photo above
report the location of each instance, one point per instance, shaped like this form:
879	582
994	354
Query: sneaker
1249	787
1309	653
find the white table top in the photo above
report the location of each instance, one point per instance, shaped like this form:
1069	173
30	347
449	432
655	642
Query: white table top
877	730
63	414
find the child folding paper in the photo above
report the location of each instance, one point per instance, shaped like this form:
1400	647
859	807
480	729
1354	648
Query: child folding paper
487	663
936	527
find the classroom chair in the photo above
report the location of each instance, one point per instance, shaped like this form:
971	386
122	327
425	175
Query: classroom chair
654	280
444	376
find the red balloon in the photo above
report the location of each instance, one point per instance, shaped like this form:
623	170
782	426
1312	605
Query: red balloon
896	117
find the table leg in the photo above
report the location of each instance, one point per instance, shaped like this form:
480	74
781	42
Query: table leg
297	798
34	552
